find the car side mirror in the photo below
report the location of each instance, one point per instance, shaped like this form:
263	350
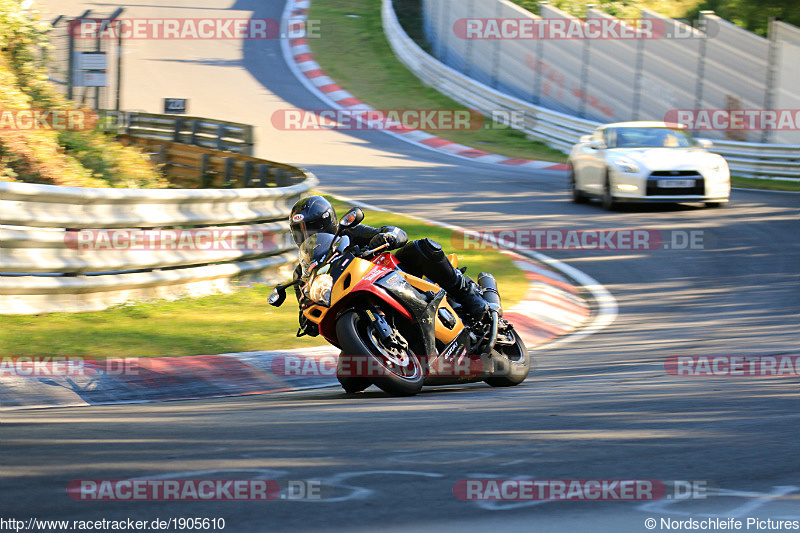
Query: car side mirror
352	218
704	143
597	145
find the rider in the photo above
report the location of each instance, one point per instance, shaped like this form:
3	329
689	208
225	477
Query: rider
420	257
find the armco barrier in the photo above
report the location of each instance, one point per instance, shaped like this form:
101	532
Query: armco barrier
42	270
204	132
560	130
193	167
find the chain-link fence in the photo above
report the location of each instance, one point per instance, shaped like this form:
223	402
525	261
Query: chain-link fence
86	65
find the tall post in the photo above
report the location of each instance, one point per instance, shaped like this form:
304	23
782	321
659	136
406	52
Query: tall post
470	42
444	34
701	64
70	59
119	65
496	53
637	80
584	77
772	73
537	69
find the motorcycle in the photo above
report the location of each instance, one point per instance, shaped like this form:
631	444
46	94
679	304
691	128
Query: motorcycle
395	330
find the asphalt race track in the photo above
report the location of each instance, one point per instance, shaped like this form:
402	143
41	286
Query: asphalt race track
602	407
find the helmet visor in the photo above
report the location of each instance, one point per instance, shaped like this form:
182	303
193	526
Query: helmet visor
303	229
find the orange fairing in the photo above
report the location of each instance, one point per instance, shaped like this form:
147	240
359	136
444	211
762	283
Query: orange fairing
361	270
356	271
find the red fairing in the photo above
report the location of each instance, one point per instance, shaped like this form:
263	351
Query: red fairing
366	284
387	260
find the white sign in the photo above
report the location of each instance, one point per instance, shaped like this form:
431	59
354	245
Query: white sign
90	61
85	78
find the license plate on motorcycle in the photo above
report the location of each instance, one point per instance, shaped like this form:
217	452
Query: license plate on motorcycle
675	184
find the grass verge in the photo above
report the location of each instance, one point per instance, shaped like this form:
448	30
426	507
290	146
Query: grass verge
759	183
240	321
371	72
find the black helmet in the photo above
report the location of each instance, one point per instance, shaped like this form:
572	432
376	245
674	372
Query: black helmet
312	215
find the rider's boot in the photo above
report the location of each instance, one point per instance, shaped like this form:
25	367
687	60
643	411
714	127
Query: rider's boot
426	257
465	292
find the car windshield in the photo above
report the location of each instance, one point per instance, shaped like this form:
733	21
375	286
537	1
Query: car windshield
648	138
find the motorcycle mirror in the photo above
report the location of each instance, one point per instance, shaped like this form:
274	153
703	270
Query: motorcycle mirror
352	218
277	296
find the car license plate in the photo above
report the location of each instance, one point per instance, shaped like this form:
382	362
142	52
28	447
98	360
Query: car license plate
675	184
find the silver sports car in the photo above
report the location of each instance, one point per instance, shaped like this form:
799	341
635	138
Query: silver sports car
647	162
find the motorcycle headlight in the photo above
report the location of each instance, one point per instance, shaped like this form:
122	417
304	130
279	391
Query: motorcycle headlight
320	290
626	165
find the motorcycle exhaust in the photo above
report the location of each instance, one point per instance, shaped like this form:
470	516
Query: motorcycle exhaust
488	285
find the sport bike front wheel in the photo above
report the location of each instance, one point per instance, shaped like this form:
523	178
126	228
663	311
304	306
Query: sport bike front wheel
396	372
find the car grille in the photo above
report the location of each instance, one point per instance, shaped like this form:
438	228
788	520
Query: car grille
653	189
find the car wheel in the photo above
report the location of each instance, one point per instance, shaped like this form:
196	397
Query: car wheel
716	204
608	200
577	195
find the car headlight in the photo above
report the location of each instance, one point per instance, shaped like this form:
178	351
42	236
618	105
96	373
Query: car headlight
320	290
626	165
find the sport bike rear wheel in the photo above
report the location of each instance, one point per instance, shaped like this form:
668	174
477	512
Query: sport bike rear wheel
513	363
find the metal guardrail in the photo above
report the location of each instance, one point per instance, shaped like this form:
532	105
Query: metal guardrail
559	130
203	132
192	167
42	270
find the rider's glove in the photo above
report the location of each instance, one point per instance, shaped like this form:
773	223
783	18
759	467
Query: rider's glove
384	238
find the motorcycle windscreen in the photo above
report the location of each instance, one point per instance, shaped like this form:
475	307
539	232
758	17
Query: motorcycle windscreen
313	251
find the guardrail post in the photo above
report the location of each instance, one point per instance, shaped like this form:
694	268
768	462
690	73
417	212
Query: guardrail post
132	118
263	173
205	175
281	177
248	172
221	130
249	140
161	156
229	172
193	137
176	132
